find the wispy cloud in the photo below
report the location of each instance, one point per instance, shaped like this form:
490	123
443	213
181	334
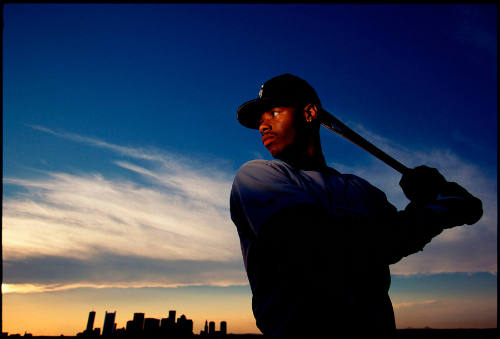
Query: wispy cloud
107	269
138	153
75	215
180	216
413	303
172	228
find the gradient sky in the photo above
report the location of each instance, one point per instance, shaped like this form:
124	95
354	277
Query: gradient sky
120	143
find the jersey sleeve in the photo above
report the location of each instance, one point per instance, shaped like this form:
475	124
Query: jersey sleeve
260	190
405	232
394	234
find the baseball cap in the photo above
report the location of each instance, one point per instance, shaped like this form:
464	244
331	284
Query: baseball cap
282	90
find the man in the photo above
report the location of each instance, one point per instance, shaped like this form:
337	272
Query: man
317	244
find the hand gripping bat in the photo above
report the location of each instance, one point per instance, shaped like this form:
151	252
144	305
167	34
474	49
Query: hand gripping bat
333	124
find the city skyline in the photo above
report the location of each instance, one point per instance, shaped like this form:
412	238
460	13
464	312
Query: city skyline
169	327
141	325
413	310
120	144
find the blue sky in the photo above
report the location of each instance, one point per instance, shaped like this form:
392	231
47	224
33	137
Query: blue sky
120	142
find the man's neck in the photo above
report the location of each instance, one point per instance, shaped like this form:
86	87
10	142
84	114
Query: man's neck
310	159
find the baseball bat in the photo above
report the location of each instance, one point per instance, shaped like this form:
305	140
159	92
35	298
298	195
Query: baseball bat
333	124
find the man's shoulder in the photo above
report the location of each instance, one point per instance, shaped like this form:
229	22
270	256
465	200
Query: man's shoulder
262	167
260	174
264	163
257	163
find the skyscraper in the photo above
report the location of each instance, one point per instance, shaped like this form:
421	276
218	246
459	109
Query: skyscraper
223	328
90	322
211	328
138	323
188	327
109	323
181	323
164	323
171	318
130	326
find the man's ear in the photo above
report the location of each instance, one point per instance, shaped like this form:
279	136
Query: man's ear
310	112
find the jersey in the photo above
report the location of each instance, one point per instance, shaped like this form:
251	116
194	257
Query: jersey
332	270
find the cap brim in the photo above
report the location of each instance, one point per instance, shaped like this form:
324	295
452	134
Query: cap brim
250	112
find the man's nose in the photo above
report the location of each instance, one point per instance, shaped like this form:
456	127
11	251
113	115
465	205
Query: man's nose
264	127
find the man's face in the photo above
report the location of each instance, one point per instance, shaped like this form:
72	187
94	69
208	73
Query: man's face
280	132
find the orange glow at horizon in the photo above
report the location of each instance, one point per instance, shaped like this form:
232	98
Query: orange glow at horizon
66	312
72	320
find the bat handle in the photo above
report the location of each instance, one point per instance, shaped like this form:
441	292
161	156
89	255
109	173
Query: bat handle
337	126
377	152
398	166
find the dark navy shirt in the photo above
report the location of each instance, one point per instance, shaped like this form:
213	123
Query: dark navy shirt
319	274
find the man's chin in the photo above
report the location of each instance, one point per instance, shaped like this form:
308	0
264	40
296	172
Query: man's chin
275	153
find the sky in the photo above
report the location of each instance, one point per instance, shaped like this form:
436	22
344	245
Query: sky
120	144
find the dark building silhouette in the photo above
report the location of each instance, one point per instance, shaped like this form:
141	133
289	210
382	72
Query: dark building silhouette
223	328
184	326
205	330
164	324
151	326
141	327
130	326
138	323
90	323
181	321
120	332
211	328
109	323
171	318
188	330
168	327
